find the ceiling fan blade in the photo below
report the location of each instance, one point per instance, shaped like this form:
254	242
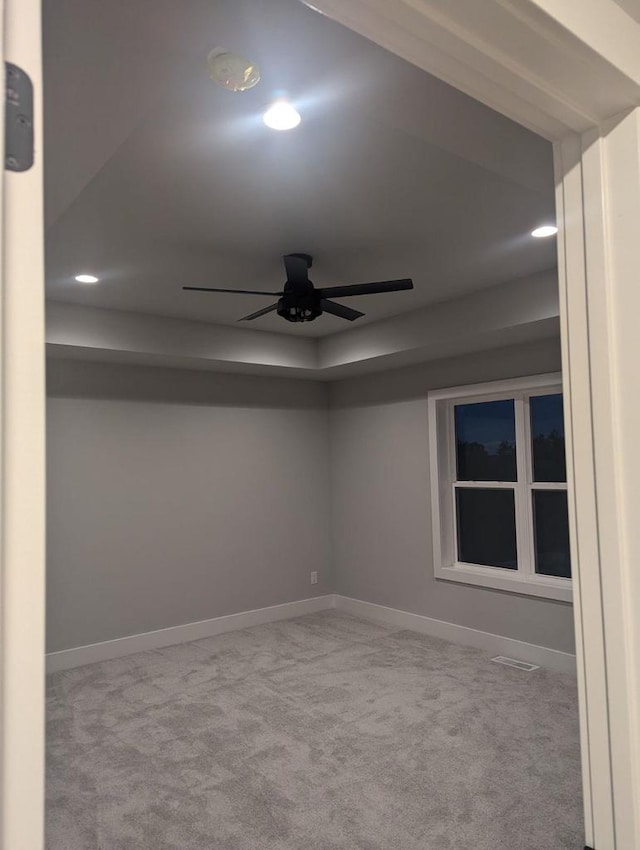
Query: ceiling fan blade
366	288
340	310
237	291
259	313
297	268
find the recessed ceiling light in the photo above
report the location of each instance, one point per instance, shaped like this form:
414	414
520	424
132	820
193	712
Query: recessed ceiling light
545	230
281	115
86	278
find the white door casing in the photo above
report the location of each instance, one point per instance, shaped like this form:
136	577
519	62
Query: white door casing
555	66
600	172
22	518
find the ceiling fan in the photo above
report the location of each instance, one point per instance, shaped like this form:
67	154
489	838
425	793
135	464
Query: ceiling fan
300	301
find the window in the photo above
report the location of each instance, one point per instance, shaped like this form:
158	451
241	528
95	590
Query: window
499	486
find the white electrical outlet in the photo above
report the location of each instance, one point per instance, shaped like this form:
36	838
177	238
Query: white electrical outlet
314	577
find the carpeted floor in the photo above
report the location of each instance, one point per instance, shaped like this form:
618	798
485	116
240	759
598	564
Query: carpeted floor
322	733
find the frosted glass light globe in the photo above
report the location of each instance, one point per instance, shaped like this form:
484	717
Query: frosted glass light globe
231	71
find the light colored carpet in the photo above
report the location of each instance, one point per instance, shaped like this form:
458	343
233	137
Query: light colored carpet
322	733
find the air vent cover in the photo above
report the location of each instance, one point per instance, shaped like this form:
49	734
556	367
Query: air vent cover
513	662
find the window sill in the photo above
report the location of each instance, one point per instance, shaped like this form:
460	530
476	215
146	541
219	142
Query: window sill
506	580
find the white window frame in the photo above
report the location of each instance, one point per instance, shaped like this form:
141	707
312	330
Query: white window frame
441	404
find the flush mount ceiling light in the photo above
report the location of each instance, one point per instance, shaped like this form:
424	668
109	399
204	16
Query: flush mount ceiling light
544	231
86	278
281	115
231	71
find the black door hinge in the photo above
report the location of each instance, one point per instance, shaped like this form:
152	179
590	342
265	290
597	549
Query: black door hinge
18	116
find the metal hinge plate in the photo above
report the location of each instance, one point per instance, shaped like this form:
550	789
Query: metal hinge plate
18	128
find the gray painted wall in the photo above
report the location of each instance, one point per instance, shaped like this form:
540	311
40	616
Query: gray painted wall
208	497
175	496
381	499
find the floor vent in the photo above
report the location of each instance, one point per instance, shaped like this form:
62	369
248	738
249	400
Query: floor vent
513	662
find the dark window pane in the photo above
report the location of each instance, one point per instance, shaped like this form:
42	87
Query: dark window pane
486	441
551	528
486	522
547	432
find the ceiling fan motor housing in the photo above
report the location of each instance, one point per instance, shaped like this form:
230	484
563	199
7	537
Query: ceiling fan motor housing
300	306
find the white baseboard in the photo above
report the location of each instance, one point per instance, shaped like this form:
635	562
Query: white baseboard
77	657
552	659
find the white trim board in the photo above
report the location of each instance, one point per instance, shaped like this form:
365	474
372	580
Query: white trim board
552	659
66	659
